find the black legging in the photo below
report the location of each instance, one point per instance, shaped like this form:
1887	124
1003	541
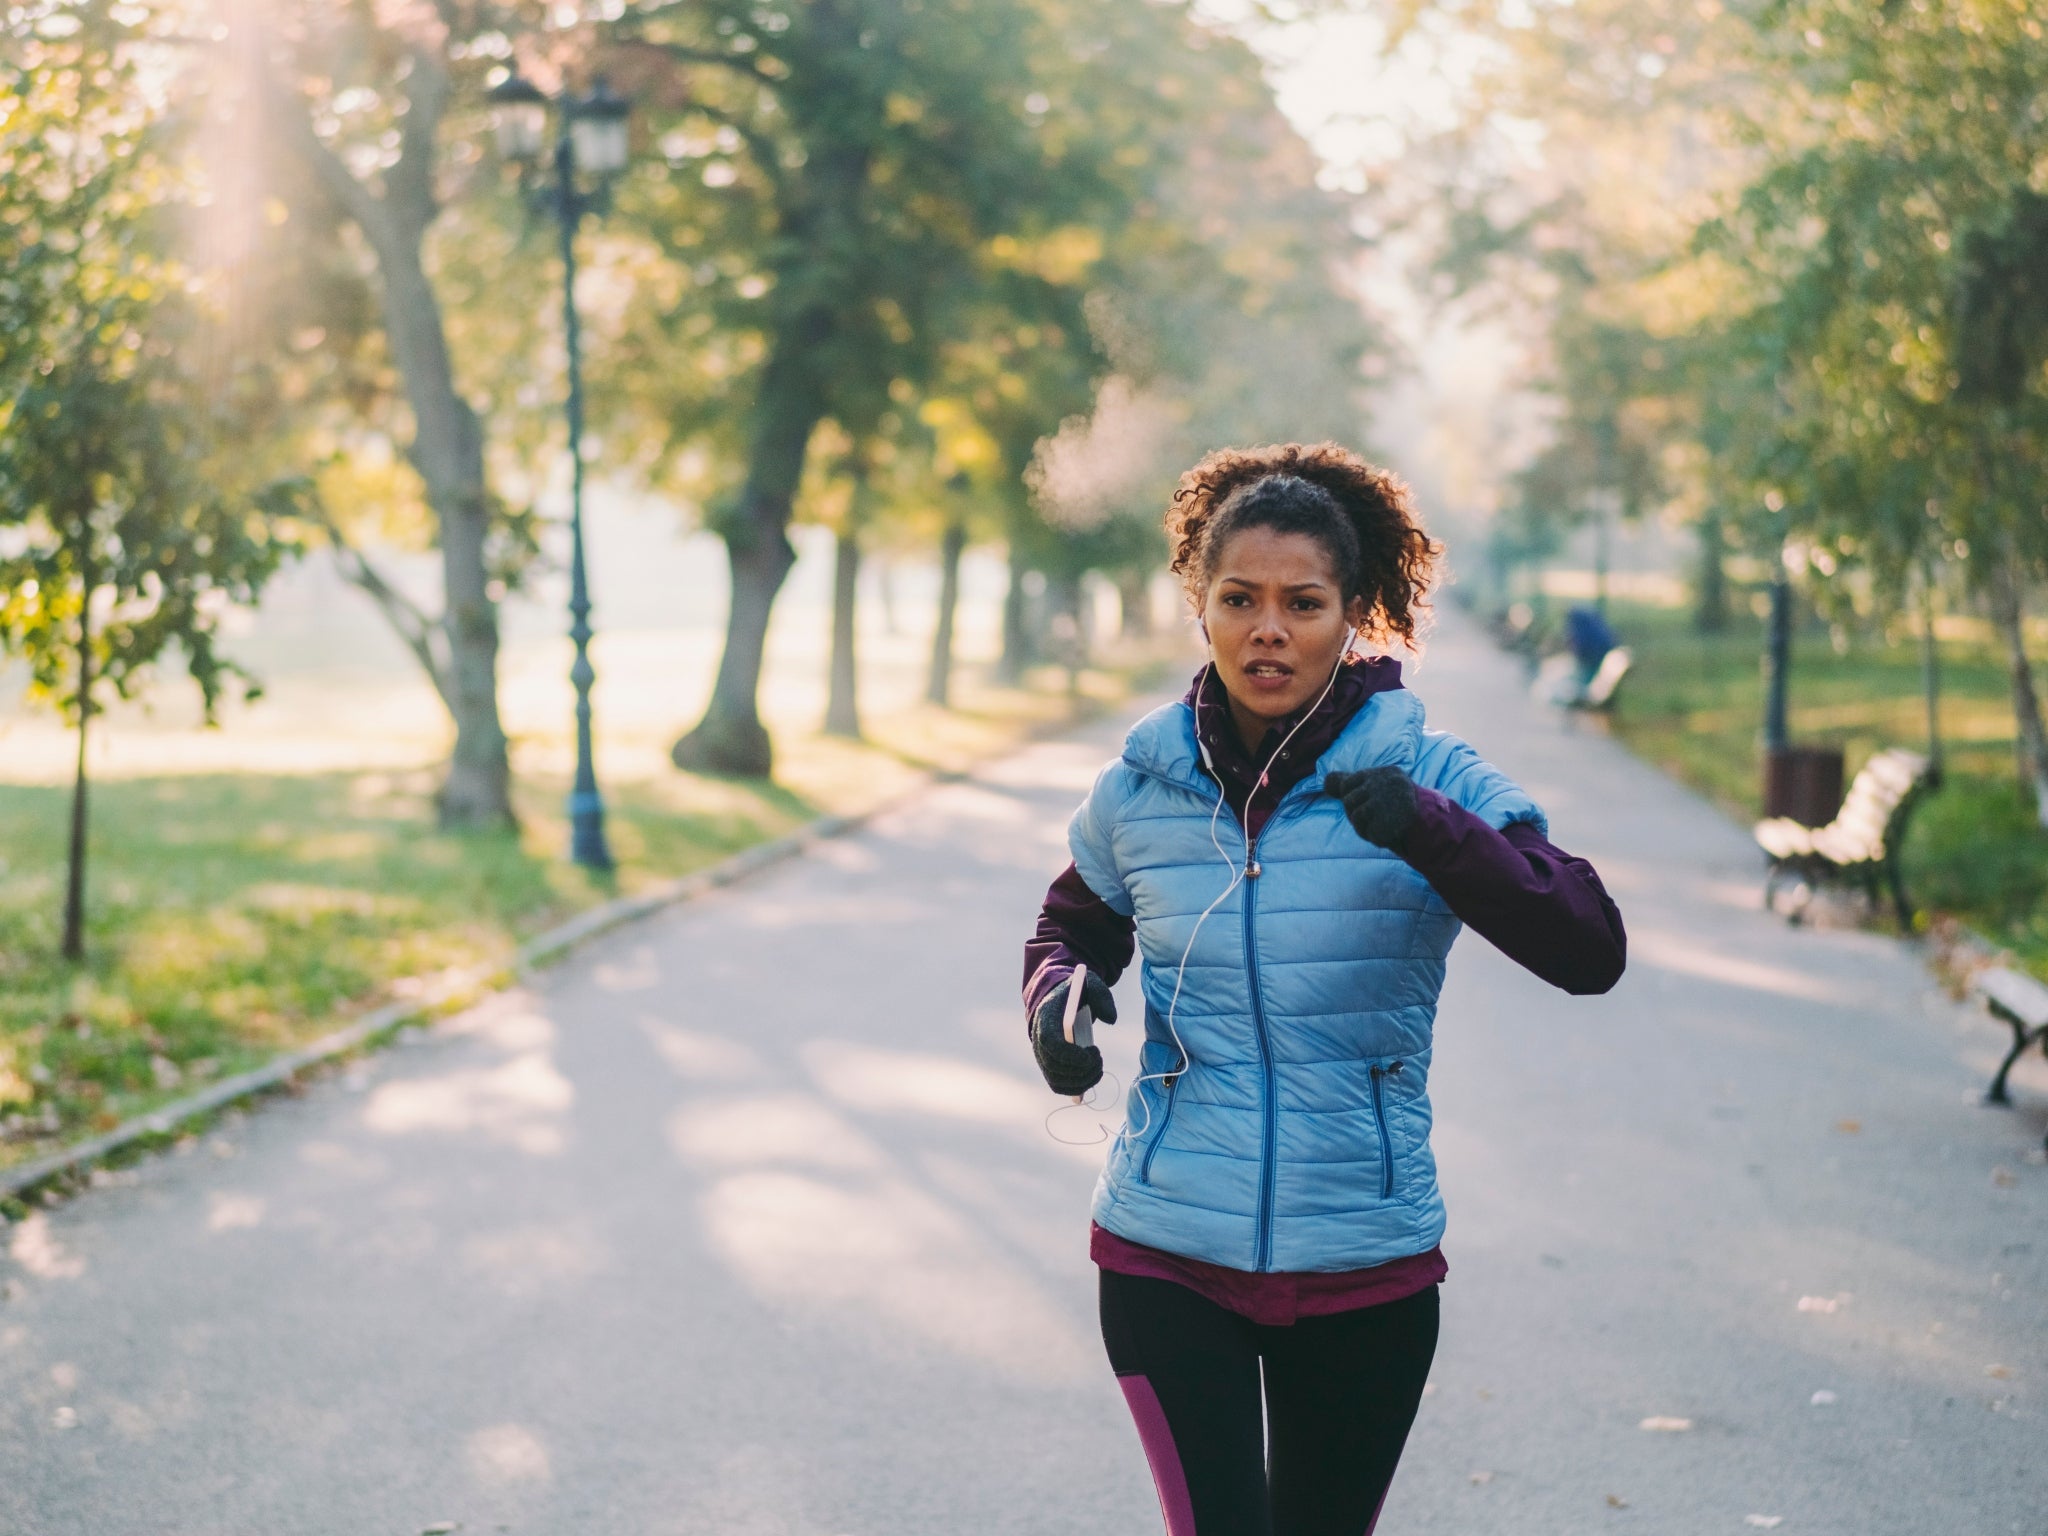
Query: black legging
1340	1394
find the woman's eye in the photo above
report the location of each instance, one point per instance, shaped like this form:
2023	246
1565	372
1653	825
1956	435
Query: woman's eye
1235	600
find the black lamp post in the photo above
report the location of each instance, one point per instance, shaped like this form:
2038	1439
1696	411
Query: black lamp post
1605	504
1778	634
590	139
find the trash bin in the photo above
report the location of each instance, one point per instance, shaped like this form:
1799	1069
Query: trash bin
1804	783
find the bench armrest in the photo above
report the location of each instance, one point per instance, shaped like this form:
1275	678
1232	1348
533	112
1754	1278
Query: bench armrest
2008	992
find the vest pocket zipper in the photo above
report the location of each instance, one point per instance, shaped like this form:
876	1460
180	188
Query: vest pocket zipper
1165	1119
1379	1115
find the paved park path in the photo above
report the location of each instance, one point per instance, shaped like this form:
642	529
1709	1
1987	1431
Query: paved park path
744	1223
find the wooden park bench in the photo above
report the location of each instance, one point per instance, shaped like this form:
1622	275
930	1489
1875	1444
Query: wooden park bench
2023	1003
1862	842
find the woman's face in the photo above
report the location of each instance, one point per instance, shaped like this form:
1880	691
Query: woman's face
1277	623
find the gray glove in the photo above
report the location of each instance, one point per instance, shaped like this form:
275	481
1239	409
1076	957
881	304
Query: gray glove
1379	802
1070	1070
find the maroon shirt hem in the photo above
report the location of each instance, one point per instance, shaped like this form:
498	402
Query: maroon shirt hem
1275	1300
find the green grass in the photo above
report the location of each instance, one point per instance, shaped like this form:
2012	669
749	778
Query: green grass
1693	702
233	916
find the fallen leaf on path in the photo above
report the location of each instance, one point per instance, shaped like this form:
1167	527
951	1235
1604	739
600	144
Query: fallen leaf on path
1662	1424
1616	1501
1999	1371
1823	1398
1818	1304
2003	1178
440	1528
1481	1479
1849	1127
65	1418
1764	1522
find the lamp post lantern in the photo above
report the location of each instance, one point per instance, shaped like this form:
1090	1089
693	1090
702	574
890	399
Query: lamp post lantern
590	141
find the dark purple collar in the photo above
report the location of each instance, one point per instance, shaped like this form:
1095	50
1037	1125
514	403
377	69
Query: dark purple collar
1238	770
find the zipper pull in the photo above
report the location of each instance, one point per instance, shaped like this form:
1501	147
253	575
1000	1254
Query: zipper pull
1251	862
1394	1069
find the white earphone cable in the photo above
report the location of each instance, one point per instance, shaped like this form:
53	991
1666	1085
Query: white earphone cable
1237	878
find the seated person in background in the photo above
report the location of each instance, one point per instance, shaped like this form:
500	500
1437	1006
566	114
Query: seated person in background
1590	637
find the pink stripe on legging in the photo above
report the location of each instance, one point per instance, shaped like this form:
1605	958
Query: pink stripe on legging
1167	1474
1374	1523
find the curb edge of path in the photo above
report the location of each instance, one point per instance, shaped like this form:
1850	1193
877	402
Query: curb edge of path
468	986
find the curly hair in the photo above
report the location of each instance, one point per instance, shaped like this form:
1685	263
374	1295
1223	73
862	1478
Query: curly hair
1361	514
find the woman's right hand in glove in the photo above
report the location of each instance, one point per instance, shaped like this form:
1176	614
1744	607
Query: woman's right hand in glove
1070	1070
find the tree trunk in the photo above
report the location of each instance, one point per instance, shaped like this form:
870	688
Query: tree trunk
1065	598
885	595
1710	589
448	451
842	703
1134	603
730	738
939	682
448	441
826	221
1017	646
2030	734
74	885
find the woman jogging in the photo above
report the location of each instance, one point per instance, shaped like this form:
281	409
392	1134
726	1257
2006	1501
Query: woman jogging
1291	852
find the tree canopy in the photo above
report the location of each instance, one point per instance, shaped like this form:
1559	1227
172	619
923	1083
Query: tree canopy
1810	307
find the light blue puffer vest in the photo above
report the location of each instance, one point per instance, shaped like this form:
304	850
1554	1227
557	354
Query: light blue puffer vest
1297	1137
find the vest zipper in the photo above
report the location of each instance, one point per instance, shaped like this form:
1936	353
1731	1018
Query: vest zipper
1379	1115
1263	1254
1165	1119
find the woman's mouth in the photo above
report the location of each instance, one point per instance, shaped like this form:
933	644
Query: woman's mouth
1268	674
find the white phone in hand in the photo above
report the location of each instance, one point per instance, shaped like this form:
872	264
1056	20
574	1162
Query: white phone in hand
1078	1024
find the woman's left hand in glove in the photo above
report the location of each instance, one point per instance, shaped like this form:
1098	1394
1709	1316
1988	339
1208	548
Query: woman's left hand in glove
1070	1069
1379	802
